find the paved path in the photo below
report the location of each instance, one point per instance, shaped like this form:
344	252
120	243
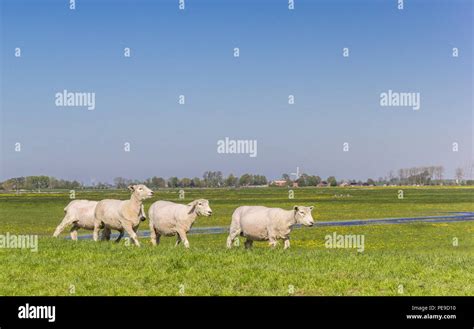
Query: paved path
453	217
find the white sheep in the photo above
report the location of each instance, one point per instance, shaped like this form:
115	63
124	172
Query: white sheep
169	219
106	232
121	215
258	223
80	214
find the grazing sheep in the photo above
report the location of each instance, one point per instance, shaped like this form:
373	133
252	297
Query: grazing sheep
258	223
169	218
80	214
121	215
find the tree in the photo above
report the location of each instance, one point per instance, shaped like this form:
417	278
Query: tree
431	170
121	182
370	181
158	182
259	180
9	185
185	182
55	183
401	176
37	182
213	179
245	180
206	177
314	180
332	181
438	172
173	182
459	175
102	186
20	182
302	180
196	182
391	176
231	180
16	183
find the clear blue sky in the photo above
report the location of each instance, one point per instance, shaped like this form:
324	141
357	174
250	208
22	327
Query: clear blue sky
191	52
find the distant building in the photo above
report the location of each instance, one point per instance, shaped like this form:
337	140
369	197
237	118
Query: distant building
323	184
280	182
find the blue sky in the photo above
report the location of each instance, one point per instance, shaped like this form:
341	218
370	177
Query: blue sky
190	52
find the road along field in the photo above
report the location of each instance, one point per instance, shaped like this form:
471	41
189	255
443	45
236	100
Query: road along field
402	259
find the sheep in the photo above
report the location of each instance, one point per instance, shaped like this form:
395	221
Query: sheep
121	215
169	219
80	214
106	232
258	223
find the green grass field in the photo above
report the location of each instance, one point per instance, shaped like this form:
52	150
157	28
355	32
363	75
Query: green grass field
401	259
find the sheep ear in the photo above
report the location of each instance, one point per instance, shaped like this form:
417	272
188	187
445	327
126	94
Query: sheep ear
131	187
295	208
311	208
193	206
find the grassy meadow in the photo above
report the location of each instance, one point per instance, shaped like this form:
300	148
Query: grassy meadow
400	259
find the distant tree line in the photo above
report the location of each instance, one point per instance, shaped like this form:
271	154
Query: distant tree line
39	183
417	175
309	180
426	175
209	179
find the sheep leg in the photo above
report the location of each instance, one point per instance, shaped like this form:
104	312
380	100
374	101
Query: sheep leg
121	233
272	243
73	232
106	234
95	235
182	236
235	229
65	222
154	236
131	232
248	244
178	240
287	243
234	232
158	236
272	239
